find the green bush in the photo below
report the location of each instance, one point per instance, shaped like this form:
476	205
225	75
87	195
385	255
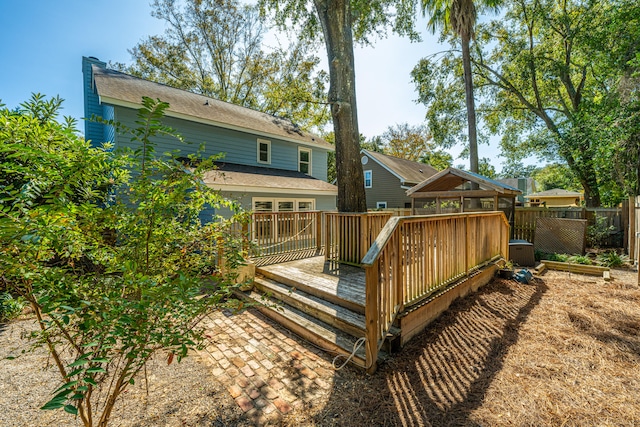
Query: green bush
580	259
109	249
598	234
10	307
611	259
539	255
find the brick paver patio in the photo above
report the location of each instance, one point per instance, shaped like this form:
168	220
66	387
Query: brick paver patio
265	368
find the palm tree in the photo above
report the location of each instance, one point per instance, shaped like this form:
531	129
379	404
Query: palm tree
459	16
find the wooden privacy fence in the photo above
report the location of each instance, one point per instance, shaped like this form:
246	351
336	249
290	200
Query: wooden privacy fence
413	257
349	235
525	221
277	233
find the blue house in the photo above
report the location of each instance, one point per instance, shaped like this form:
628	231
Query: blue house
269	164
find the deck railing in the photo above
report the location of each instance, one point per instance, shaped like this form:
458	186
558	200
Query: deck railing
349	235
275	233
413	257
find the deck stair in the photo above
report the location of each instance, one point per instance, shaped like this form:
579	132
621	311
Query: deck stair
323	306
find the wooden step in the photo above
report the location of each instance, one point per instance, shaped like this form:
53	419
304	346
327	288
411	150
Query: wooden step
345	292
324	336
342	318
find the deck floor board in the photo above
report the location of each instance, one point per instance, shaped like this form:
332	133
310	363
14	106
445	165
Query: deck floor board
344	281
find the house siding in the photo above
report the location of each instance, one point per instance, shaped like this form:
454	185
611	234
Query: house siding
92	130
386	187
109	131
237	147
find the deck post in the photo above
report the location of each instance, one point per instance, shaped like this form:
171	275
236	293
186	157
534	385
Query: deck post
318	218
371	314
466	245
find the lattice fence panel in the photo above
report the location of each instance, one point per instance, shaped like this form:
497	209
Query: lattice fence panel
561	236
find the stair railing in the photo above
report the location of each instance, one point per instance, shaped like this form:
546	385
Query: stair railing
414	257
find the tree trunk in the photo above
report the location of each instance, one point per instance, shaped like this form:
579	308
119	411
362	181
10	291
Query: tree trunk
335	18
590	186
471	105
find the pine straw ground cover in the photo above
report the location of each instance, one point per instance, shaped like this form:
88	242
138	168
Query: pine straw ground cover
564	350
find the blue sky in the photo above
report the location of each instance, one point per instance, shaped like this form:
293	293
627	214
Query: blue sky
43	41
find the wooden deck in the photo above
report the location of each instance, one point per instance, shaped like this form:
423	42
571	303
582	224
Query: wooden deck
411	272
339	283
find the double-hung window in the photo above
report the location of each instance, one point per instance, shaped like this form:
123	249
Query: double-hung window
304	160
264	151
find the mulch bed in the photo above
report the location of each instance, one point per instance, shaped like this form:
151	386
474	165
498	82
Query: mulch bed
563	350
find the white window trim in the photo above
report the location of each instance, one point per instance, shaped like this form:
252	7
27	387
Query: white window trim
308	150
379	205
276	200
370	179
268	143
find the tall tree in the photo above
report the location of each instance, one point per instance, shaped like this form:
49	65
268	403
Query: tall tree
459	17
342	22
216	48
413	143
547	74
407	142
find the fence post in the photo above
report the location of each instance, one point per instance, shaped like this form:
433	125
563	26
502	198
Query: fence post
631	237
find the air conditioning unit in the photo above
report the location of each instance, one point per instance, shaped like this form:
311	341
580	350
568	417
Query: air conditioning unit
521	253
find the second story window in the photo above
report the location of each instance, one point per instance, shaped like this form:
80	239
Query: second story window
304	160
264	151
368	179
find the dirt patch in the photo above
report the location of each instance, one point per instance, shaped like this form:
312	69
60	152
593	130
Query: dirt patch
563	350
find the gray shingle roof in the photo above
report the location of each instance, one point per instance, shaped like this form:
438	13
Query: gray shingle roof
410	172
251	177
118	88
555	192
452	178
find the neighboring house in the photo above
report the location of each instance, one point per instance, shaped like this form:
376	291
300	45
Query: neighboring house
387	178
526	185
269	164
555	198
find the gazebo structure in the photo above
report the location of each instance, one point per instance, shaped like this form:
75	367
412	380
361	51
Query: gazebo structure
452	191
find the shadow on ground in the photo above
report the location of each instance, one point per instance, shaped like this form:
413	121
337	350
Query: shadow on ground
443	374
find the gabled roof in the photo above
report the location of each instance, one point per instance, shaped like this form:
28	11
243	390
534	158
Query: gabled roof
555	192
407	171
114	87
451	178
243	178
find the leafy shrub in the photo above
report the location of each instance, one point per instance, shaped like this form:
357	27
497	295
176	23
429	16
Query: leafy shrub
10	307
580	259
612	259
109	249
551	257
598	234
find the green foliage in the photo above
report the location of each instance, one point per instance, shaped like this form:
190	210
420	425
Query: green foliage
10	307
370	19
411	143
580	259
556	175
407	142
598	233
109	250
612	259
539	255
553	81
485	168
514	168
